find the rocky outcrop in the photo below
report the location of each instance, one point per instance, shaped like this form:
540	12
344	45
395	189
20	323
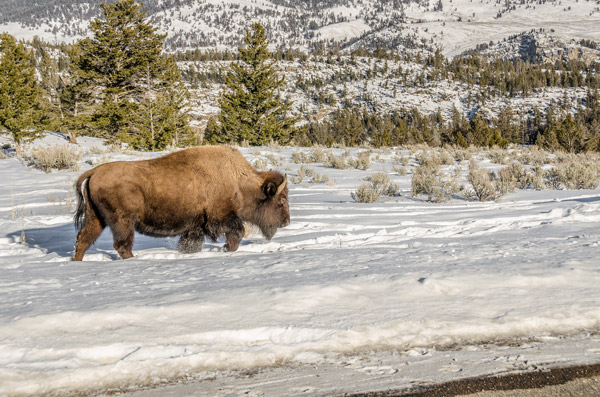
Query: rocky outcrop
540	47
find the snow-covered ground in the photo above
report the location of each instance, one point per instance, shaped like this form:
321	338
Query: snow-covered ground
462	24
375	296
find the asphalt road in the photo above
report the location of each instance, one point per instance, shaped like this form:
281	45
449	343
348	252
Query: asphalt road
580	381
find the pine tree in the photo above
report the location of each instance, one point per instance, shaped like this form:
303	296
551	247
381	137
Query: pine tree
505	125
534	127
593	139
75	92
480	133
49	83
347	128
161	119
124	66
459	127
20	94
569	135
251	109
547	138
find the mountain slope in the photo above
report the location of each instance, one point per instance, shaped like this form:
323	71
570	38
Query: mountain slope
452	25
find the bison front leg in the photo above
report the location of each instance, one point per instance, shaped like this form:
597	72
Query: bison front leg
234	231
191	241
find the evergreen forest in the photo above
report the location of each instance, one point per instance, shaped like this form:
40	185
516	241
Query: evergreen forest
120	84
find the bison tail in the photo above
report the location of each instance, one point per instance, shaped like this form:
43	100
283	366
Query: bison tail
83	198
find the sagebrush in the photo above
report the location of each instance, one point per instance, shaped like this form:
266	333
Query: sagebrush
60	157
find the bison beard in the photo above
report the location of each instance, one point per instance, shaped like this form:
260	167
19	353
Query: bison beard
194	193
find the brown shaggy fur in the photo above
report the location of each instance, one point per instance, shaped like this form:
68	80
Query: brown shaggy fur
202	191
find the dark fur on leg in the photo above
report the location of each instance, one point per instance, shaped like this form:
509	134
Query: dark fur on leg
191	241
232	227
123	234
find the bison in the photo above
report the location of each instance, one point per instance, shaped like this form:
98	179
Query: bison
202	191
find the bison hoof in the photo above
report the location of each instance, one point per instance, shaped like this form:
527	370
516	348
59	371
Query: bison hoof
189	250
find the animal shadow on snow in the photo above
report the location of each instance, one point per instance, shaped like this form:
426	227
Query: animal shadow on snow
60	240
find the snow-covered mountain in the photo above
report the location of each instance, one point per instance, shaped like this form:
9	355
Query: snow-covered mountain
535	31
454	26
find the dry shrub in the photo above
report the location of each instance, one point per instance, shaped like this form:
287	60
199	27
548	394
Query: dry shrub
428	159
318	155
402	160
365	193
320	178
516	176
375	186
419	147
299	158
274	146
337	162
99	160
59	157
362	161
533	156
446	157
536	178
400	170
382	183
316	177
304	172
118	147
460	154
275	161
552	178
511	177
96	150
579	173
297	179
261	164
482	184
437	185
497	156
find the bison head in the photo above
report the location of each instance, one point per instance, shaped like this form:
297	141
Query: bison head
273	211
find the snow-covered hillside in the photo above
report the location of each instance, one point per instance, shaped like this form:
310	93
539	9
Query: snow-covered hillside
390	294
319	87
452	25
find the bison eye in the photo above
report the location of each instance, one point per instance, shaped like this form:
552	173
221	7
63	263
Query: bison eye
282	201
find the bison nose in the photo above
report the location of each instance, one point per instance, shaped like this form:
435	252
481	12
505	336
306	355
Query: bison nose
285	222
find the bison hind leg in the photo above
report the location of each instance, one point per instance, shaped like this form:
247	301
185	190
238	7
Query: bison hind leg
89	233
123	234
191	241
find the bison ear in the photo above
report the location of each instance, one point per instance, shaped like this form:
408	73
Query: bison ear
271	189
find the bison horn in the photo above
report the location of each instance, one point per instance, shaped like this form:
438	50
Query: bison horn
282	186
